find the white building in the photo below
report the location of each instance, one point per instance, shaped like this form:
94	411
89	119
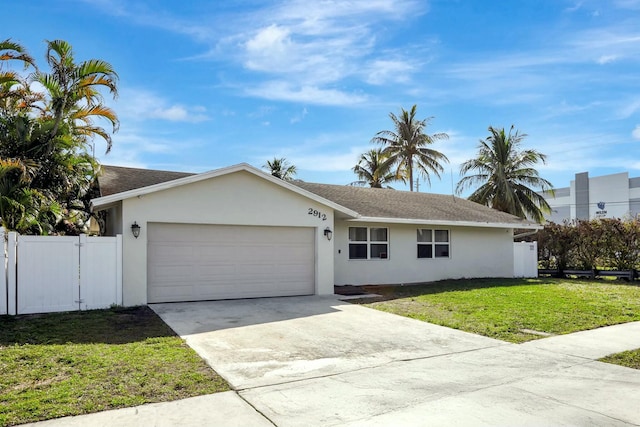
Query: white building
608	196
238	232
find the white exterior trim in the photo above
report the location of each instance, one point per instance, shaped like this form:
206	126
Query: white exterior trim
139	192
526	226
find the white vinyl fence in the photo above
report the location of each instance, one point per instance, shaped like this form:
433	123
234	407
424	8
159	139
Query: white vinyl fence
525	259
46	274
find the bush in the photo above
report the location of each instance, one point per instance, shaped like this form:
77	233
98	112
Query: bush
607	243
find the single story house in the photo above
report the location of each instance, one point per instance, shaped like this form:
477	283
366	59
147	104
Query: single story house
238	232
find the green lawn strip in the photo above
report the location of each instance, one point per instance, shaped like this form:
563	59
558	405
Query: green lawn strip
75	363
630	359
502	308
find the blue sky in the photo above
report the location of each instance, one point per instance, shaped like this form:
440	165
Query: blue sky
206	84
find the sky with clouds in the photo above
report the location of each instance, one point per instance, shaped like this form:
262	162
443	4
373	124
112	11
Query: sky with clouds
205	84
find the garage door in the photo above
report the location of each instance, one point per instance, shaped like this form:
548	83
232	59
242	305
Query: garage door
191	262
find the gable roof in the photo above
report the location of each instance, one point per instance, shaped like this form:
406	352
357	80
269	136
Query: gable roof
118	179
387	205
125	187
357	203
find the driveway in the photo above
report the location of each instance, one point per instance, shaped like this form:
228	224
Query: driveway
320	361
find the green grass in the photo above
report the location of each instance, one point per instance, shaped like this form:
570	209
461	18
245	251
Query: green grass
502	308
63	364
630	359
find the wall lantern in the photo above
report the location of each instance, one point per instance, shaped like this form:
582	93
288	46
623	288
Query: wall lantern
328	233
135	229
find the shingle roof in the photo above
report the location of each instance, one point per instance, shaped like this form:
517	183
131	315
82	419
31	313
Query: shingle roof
117	179
367	202
388	203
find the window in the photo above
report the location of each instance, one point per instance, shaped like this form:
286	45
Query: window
433	243
368	243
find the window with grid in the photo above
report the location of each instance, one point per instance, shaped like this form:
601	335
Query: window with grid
368	243
433	243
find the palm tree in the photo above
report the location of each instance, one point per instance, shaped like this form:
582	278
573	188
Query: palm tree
407	144
73	90
374	169
506	176
280	168
14	88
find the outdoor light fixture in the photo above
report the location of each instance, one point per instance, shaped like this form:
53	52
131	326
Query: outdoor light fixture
328	233
135	229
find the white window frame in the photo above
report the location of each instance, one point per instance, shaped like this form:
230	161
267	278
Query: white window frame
433	243
369	243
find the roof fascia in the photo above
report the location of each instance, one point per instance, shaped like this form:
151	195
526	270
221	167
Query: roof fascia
525	226
113	198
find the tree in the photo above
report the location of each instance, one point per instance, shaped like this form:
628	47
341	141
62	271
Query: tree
48	133
406	146
280	168
375	169
73	92
506	176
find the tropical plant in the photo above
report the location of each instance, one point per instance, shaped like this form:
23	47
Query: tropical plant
73	92
407	146
48	135
506	177
14	88
280	168
375	170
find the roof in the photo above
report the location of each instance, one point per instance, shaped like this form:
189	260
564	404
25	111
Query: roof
118	179
404	206
358	203
124	183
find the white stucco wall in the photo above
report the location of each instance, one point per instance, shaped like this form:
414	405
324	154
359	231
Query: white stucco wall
474	253
239	198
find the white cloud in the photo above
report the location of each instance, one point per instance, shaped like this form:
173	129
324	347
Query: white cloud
283	91
382	71
300	116
636	133
605	59
139	104
629	109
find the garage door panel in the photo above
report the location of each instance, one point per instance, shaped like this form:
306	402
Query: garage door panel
188	262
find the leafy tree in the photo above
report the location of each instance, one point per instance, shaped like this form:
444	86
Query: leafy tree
49	133
506	176
375	169
73	93
407	146
280	168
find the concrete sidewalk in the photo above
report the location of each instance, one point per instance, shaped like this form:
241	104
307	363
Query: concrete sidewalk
392	371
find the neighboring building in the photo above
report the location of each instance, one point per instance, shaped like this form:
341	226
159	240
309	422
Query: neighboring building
238	232
608	196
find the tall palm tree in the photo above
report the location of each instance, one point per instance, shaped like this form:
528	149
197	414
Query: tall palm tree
14	88
506	176
375	169
73	90
407	145
281	168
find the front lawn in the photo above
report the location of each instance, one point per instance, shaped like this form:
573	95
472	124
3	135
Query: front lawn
62	364
514	309
630	359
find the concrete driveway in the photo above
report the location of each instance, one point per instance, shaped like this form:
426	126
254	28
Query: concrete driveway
320	361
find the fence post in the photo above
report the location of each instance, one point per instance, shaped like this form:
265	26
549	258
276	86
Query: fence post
82	262
3	282
119	269
12	283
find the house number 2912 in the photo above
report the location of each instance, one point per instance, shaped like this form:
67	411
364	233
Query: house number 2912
317	214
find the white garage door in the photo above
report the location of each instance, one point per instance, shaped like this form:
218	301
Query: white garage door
191	262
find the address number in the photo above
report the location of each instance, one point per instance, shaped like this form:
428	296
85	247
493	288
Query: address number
317	214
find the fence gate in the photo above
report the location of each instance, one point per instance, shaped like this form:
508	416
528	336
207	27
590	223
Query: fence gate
525	259
48	274
62	273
